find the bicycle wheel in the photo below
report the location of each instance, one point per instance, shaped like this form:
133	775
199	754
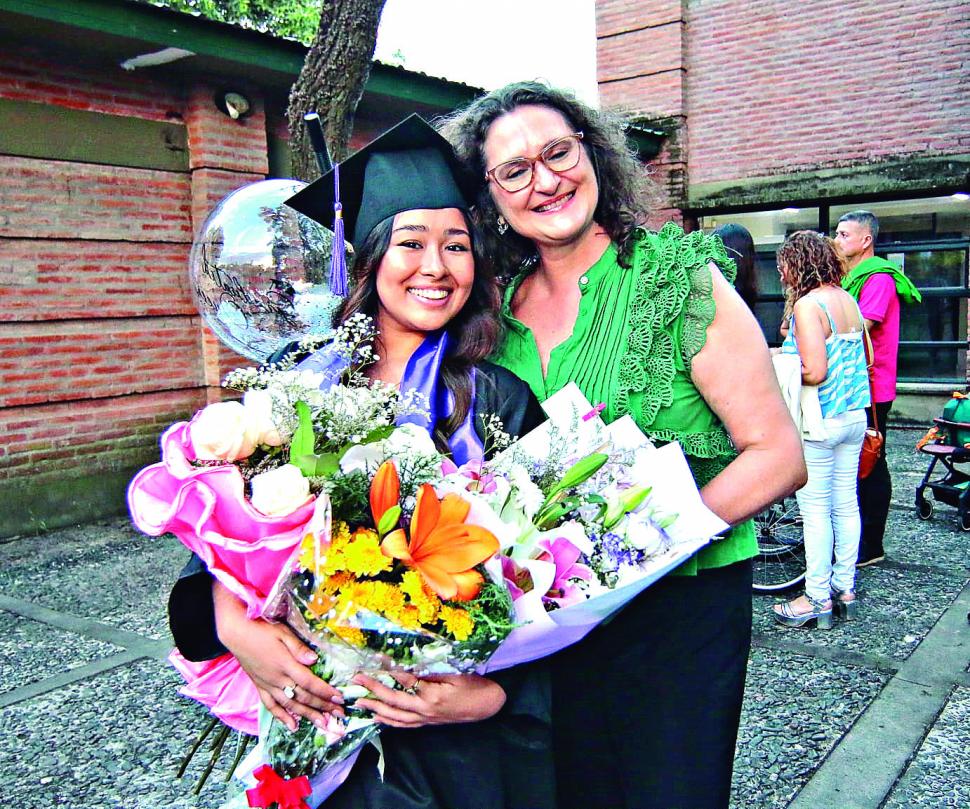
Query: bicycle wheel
780	563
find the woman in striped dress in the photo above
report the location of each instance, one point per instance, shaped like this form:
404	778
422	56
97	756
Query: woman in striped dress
827	334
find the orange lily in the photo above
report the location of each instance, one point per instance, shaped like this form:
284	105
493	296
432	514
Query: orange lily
385	490
442	548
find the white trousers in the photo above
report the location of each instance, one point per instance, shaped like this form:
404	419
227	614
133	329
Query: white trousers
830	510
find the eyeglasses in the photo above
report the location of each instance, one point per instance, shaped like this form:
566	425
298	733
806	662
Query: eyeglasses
560	155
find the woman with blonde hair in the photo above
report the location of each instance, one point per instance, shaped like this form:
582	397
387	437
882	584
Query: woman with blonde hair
826	332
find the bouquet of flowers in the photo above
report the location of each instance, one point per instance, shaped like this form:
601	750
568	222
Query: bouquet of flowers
380	597
587	516
314	504
243	483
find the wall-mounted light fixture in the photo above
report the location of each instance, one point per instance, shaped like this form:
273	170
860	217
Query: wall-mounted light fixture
233	104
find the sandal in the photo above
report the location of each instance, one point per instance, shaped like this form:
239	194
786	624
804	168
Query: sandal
820	613
845	603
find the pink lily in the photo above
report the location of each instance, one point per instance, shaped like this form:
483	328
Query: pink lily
565	555
517	579
480	482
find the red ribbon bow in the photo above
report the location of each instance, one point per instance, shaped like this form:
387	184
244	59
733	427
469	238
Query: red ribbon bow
286	793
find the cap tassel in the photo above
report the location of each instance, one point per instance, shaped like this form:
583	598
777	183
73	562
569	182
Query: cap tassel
338	260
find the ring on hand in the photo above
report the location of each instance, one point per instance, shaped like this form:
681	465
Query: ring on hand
413	689
289	691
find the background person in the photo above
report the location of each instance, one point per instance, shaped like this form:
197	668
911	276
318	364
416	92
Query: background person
460	740
879	286
740	246
826	332
647	324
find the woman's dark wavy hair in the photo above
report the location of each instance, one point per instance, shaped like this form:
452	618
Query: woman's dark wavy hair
622	181
740	246
474	331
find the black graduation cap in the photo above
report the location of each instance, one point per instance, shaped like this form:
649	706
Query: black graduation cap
408	167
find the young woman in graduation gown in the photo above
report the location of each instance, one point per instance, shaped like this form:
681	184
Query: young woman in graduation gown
459	740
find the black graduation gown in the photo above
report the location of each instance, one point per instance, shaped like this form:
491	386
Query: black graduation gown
504	762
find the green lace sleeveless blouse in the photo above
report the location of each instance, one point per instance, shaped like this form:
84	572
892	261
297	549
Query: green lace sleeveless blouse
637	330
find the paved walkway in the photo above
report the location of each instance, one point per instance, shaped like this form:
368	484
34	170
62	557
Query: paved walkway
875	713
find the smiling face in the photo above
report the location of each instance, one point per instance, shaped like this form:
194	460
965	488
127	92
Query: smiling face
426	275
556	208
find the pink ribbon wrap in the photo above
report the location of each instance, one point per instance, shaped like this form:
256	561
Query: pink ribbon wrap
250	553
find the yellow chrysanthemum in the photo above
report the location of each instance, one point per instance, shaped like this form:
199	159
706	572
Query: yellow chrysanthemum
340	537
333	584
457	621
353	596
340	532
308	553
363	555
421	596
384	599
348	634
409	617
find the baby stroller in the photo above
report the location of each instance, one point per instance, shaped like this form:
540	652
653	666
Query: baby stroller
947	443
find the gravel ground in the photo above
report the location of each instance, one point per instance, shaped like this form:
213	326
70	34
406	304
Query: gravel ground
796	709
937	776
108	742
105	571
898	607
30	652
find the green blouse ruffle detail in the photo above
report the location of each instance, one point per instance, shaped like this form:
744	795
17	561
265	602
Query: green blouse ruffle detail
669	314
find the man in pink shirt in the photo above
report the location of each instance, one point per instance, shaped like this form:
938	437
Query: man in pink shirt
879	286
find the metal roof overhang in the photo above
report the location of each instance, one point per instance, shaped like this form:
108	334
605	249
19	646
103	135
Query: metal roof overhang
116	30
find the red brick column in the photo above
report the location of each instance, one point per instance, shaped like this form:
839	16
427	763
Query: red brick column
641	69
223	155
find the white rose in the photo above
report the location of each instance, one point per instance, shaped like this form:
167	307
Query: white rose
528	496
280	491
362	458
407	441
644	535
259	412
221	432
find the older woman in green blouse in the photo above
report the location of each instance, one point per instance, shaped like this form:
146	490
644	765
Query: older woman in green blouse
646	709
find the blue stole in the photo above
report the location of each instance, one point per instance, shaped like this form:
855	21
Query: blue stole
423	374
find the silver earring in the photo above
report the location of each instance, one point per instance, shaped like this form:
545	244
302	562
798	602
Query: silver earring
501	225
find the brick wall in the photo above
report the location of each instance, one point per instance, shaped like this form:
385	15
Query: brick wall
641	68
100	344
790	85
29	75
761	89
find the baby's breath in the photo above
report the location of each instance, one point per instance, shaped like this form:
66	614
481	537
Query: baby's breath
348	413
495	439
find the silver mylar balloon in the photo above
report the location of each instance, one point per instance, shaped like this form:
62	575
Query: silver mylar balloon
259	271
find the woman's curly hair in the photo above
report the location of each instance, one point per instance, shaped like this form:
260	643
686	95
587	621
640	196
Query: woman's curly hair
808	260
623	184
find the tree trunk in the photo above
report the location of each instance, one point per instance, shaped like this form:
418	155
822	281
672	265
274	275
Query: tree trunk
332	79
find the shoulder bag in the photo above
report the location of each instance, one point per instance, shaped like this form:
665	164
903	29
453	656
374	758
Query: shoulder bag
873	440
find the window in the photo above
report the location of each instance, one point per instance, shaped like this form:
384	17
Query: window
768	229
929	238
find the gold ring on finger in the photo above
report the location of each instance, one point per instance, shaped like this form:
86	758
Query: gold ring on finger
289	691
